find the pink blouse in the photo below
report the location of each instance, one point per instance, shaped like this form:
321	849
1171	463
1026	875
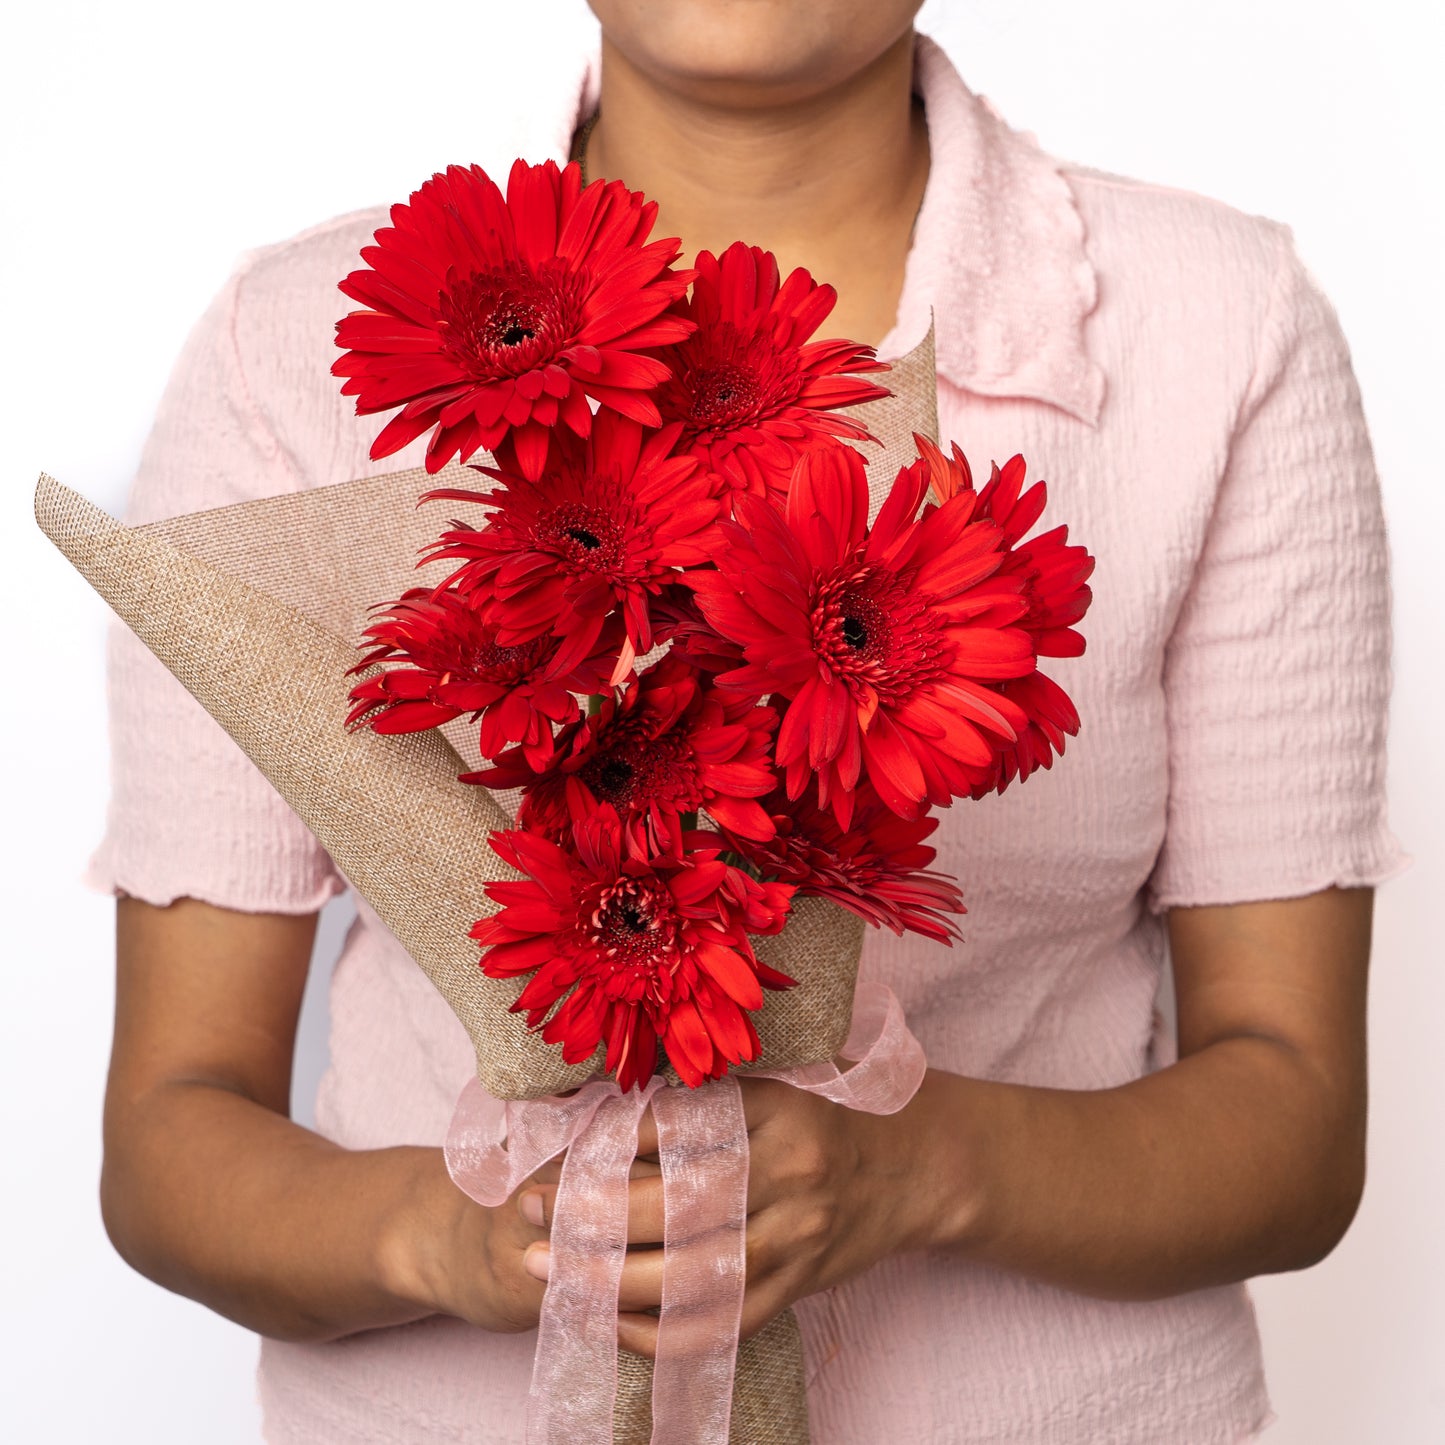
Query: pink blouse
1175	372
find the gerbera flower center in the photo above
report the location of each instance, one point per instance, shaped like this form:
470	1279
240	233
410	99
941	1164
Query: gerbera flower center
457	643
870	627
613	778
723	394
636	770
484	659
633	923
588	537
728	380
504	323
863	627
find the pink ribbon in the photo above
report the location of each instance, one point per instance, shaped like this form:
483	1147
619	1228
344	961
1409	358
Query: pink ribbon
493	1146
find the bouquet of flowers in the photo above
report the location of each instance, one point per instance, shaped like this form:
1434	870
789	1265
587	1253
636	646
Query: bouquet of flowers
722	632
817	683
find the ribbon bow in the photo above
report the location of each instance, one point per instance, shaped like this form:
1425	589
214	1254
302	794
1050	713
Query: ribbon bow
494	1145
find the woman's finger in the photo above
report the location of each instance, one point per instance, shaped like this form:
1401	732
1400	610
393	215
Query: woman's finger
537	1202
640	1287
637	1333
641	1284
761	1098
550	1172
645	1210
646	1204
767	1256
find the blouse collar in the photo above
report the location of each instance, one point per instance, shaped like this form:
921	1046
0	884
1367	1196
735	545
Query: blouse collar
998	255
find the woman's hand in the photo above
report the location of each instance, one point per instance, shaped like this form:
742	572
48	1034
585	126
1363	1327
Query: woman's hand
211	1190
830	1192
450	1255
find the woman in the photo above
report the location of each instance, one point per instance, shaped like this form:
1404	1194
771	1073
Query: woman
1049	1242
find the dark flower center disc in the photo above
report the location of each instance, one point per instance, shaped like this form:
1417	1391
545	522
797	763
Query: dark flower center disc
723	394
634	923
504	323
872	626
613	779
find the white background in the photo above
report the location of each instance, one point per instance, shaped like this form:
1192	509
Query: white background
147	144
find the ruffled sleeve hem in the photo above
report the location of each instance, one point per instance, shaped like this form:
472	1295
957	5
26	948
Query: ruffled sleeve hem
1380	859
108	874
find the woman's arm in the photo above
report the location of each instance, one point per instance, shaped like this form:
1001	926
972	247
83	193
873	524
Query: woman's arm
209	1189
1246	1157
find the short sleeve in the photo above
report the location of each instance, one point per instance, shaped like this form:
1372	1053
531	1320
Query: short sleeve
1277	672
189	813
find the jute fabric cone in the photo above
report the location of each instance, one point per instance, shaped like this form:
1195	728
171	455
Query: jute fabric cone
912	407
390	811
413	841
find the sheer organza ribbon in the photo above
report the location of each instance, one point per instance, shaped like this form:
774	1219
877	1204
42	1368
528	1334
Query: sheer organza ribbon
494	1145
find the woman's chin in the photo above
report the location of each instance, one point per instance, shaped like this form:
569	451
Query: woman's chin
758	51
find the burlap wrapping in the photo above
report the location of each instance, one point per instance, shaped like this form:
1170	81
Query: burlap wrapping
770	1403
257	609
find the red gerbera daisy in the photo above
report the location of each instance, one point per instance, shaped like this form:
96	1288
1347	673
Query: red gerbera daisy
605	529
884	642
496	318
453	664
1056	574
665	747
751	391
1056	582
877	866
639	947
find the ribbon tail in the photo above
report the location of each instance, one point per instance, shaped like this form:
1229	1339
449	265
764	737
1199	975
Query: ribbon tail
702	1138
574	1377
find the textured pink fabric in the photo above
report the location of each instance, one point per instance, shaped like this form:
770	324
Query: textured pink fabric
1172	368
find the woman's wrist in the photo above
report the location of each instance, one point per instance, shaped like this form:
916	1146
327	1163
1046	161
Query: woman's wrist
412	1253
443	1253
943	1141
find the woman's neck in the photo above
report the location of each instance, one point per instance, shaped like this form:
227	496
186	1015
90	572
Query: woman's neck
831	182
